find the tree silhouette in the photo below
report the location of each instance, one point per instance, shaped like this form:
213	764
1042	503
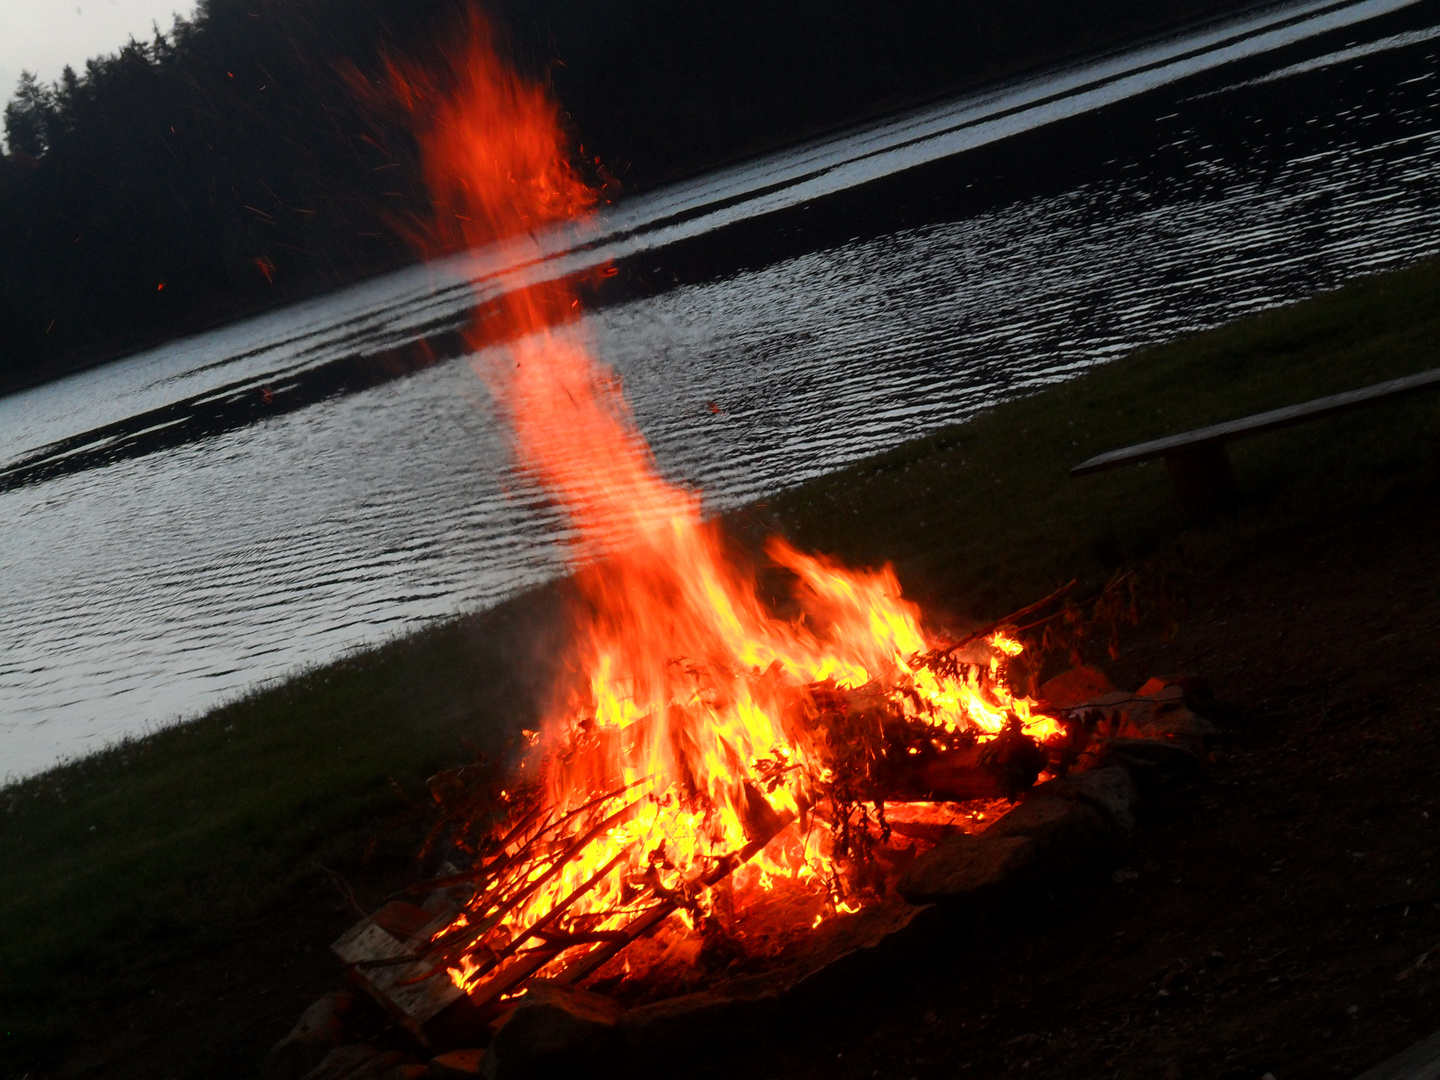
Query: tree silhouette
29	116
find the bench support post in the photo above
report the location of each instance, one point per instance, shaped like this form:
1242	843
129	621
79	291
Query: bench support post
1203	479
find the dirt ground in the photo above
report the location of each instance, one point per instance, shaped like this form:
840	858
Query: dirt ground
1282	917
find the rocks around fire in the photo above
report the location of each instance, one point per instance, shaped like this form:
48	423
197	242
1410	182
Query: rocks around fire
1111	791
554	1030
1163	708
361	1062
1079	826
320	1030
1155	765
981	872
1071	688
842	959
324	1045
1067	833
1062	828
456	1065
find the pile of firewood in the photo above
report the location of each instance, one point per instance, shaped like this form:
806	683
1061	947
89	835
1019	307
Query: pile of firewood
877	754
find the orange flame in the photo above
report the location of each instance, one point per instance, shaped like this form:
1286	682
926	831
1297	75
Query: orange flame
688	741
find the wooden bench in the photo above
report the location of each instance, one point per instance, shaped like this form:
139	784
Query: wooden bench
1197	462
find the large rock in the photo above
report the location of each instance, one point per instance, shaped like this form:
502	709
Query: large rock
977	872
554	1030
1196	690
1111	790
1070	836
1155	764
321	1029
456	1065
665	1029
1074	687
357	1062
842	959
382	1067
1161	714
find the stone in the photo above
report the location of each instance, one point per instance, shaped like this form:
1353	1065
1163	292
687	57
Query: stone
321	1028
1075	687
1110	790
1162	715
667	1028
380	1067
1194	688
1161	712
841	960
553	1029
977	872
457	1064
893	936
1155	764
1070	835
1109	701
345	1062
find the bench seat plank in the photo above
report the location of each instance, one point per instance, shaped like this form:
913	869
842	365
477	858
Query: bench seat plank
1261	422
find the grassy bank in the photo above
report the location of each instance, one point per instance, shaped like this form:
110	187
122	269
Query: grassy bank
114	863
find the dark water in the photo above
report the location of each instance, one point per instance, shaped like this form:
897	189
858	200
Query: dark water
182	525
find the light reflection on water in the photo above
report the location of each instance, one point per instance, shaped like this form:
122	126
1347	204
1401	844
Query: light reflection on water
152	587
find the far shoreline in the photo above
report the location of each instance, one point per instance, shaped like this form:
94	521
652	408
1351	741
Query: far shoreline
238	308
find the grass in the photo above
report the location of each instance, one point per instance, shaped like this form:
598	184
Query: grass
124	858
155	845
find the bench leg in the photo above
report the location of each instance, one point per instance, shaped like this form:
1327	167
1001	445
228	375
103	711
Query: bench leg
1203	479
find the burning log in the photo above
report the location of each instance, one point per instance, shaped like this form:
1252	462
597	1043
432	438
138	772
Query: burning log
1000	768
608	944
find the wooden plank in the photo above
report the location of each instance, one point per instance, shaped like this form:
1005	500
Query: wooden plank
1420	1062
1262	422
390	972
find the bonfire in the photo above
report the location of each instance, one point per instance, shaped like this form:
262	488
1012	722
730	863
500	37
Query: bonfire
725	755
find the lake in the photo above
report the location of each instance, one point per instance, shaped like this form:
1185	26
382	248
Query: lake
190	522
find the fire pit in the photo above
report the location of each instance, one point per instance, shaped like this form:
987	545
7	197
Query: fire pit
737	797
748	937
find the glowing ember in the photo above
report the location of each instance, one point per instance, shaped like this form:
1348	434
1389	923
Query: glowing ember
714	740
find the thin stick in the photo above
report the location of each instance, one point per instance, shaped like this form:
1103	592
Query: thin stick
537	929
564	905
596	958
504	861
518	972
986	631
468	934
